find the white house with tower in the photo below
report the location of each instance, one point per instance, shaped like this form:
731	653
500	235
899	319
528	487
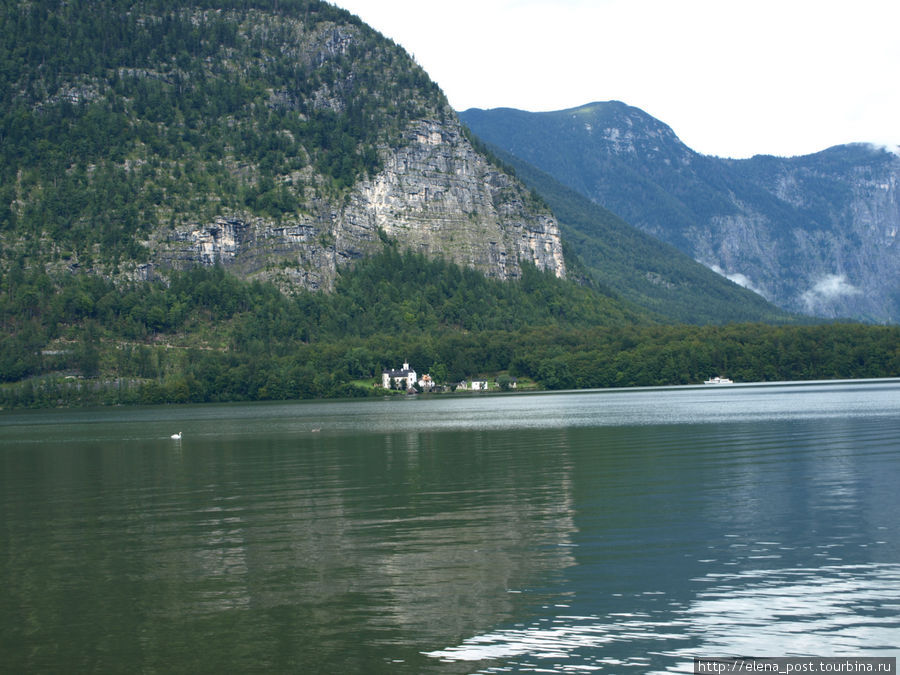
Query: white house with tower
405	378
394	378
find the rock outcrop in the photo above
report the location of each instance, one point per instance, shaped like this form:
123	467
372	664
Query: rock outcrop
435	195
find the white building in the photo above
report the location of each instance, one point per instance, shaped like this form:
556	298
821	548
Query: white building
405	375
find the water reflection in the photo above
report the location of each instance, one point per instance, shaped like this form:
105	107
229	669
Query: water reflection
292	549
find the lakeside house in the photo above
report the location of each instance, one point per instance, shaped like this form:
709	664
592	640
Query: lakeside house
474	385
392	379
405	378
503	382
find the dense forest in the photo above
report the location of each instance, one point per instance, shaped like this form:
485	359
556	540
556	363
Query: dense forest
208	336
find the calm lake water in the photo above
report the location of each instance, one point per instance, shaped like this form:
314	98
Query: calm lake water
606	531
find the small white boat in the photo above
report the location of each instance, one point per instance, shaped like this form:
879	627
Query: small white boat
718	380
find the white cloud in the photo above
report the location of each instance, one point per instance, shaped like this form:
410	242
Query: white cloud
889	147
739	279
827	290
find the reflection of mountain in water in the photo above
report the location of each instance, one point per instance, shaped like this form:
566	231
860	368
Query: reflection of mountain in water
395	533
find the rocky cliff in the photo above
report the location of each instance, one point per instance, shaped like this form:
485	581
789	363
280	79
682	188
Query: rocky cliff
435	194
815	234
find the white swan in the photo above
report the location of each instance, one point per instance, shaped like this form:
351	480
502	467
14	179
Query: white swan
176	437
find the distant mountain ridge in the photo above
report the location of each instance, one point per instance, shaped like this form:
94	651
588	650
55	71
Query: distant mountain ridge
814	234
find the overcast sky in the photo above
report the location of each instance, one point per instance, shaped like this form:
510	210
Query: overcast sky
732	78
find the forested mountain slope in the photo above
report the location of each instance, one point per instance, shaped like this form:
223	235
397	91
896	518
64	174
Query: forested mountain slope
205	335
280	138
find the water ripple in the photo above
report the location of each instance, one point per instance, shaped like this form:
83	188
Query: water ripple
785	612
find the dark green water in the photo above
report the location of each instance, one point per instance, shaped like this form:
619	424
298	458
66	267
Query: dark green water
579	532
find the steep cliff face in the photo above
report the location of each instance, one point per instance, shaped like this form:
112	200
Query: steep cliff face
435	195
816	234
281	140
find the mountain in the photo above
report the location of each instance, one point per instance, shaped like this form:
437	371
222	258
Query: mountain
181	180
282	139
814	234
638	267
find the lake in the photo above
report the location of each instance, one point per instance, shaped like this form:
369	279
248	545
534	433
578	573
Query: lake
595	531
